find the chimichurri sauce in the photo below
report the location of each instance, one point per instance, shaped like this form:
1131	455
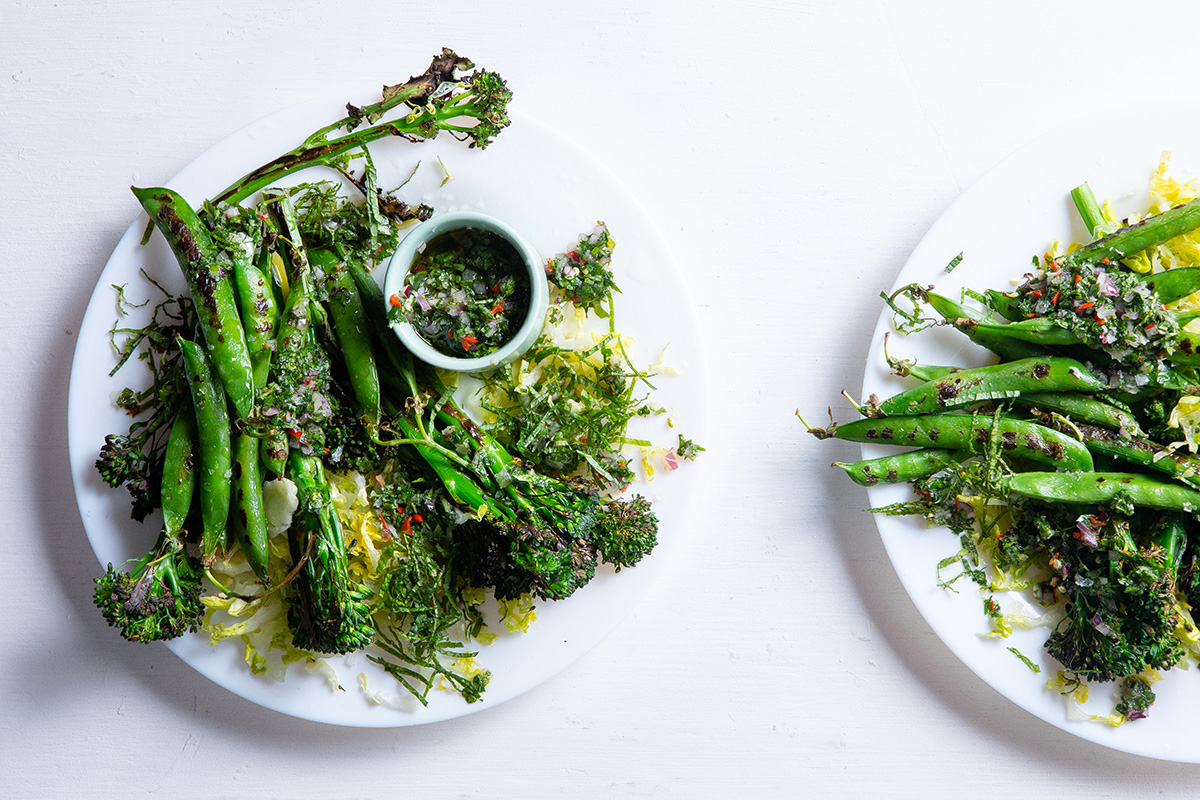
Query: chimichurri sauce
467	293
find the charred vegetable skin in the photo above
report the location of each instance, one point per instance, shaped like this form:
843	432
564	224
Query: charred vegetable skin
1094	353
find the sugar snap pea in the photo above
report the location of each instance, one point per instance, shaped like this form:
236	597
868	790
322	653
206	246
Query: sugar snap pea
1181	465
1081	408
212	290
179	469
997	341
900	467
1094	488
247	512
214	449
1174	284
260	316
1131	239
1170	285
348	318
999	381
1039	331
1018	438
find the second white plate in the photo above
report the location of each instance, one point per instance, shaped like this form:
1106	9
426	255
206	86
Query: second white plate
999	224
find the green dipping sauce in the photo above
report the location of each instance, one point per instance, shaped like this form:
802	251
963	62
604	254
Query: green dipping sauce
466	293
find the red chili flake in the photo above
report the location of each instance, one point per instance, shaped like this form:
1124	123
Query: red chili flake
1105	260
1149	327
417	518
1099	320
295	434
404	526
1054	301
1035	293
496	309
495	287
394	300
468	342
1030	315
1084	306
1078	278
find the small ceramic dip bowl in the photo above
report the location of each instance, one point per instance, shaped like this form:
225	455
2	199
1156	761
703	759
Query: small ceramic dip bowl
466	292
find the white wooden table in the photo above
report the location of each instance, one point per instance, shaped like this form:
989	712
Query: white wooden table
792	154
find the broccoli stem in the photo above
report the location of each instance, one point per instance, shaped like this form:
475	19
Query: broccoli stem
433	109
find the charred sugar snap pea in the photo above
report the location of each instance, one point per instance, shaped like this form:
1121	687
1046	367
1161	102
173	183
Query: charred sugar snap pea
972	432
900	467
1181	465
260	317
348	318
247	511
1094	488
1081	408
212	291
214	453
1000	381
179	469
1131	239
997	341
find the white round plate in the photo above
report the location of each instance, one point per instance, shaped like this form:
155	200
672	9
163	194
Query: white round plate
543	186
999	224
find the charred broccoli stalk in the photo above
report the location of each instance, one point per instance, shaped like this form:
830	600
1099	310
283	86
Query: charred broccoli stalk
472	108
158	598
327	614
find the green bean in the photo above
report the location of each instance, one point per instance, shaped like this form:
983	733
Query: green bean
1093	488
212	291
1150	232
900	467
1018	438
348	318
1000	381
249	516
179	469
215	458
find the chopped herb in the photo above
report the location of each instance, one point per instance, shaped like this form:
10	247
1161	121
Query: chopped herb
954	262
467	293
1024	658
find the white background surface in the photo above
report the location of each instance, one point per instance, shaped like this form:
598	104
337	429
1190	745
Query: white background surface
792	154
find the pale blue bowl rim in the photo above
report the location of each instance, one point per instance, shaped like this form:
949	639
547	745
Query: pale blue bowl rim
539	291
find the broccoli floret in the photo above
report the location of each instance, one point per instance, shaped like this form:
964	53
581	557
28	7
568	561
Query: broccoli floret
1121	609
625	532
157	599
515	560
